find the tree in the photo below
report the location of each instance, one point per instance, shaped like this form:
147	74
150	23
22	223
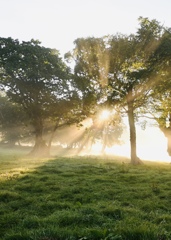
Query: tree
13	122
36	78
107	128
101	128
160	64
118	70
90	72
131	78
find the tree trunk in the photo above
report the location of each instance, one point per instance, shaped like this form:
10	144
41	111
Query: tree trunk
40	148
169	144
132	129
166	129
52	136
167	134
104	138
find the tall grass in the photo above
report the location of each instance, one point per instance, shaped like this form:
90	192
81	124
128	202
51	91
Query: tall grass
83	198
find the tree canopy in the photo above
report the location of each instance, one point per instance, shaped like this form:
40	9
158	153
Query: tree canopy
36	78
127	74
120	69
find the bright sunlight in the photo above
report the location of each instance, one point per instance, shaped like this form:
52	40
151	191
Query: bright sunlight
105	114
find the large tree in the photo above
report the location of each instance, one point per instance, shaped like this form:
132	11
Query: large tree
37	78
129	74
118	69
160	63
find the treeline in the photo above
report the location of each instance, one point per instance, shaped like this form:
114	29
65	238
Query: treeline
126	74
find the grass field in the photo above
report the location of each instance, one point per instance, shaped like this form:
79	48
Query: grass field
83	198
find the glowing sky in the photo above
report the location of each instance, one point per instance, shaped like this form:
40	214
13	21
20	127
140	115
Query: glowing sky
57	23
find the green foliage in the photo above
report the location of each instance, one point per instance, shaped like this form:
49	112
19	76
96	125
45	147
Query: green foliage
13	122
90	70
31	72
116	70
131	72
37	79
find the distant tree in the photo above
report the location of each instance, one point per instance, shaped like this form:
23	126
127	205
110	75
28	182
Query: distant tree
91	73
90	60
36	78
105	130
13	122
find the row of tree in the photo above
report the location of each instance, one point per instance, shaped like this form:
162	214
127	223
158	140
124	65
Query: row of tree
130	74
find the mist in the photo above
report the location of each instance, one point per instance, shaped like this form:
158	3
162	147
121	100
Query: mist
151	143
76	141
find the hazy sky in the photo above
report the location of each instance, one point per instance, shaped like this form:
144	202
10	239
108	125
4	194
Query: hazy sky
57	23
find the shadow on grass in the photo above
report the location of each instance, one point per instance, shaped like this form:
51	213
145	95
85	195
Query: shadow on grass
84	198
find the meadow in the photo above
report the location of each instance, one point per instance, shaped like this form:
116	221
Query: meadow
83	198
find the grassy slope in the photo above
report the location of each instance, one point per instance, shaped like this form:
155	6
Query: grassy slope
83	198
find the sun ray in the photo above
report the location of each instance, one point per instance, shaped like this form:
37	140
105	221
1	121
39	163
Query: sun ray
105	114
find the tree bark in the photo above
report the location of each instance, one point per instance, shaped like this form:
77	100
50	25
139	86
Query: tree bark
52	136
40	148
167	134
133	148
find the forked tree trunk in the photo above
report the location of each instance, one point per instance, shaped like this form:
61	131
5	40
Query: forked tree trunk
40	148
51	137
133	148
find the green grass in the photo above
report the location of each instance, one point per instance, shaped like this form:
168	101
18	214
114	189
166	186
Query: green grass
83	198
